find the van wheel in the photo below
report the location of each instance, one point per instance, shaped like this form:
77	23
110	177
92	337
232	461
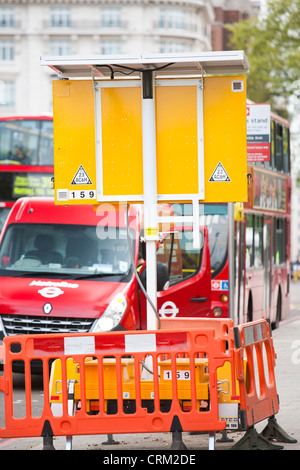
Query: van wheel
278	312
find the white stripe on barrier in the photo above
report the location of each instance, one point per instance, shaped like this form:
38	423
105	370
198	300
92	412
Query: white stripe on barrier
79	345
248	335
140	343
255	333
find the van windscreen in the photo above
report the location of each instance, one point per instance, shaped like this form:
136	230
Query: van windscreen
78	251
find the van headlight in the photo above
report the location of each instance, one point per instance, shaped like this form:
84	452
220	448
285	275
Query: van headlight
112	315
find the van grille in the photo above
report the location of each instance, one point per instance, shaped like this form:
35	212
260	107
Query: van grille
24	325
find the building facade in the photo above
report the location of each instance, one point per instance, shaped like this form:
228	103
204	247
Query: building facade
229	12
30	29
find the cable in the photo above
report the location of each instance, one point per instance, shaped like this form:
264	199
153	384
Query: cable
109	67
136	273
132	69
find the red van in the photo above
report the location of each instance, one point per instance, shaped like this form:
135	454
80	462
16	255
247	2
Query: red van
68	269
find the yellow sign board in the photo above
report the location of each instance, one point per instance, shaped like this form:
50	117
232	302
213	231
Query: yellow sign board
201	143
122	162
74	140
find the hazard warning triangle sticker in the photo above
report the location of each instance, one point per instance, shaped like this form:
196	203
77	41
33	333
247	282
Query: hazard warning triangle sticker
81	177
219	174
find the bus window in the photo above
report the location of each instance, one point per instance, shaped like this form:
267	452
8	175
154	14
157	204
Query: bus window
26	141
26	158
279	147
258	242
286	151
272	153
249	241
280	241
46	143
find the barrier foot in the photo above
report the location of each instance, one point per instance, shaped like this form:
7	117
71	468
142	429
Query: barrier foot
48	443
176	430
177	442
47	435
110	441
273	431
253	441
225	437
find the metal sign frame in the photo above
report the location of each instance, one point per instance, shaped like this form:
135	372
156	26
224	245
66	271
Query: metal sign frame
177	64
98	87
149	68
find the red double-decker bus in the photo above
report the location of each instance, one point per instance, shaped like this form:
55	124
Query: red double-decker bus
262	250
262	238
26	159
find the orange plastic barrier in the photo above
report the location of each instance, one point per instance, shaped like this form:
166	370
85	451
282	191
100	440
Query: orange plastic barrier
198	368
119	415
258	393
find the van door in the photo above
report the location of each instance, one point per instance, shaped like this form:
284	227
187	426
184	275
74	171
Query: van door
188	290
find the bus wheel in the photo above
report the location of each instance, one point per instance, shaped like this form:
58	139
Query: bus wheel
278	312
250	309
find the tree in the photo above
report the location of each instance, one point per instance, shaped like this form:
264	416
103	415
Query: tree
272	45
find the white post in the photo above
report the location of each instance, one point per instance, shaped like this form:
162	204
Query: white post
231	260
150	191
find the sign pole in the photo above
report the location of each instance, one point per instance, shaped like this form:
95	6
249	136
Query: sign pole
150	191
231	260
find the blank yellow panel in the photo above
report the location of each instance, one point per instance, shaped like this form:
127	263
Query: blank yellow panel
176	140
74	135
225	139
122	150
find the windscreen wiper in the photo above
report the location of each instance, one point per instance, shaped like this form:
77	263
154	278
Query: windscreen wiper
32	274
93	275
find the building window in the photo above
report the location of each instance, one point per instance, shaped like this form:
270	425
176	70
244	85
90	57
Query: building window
172	18
7	94
61	47
60	17
7	50
172	47
110	18
7	17
111	47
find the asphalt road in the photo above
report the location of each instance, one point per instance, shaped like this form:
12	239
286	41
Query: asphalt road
287	346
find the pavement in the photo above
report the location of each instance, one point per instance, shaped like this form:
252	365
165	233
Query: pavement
287	347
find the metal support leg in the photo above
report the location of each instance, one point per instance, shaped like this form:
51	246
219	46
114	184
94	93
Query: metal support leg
69	442
211	440
71	409
110	441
